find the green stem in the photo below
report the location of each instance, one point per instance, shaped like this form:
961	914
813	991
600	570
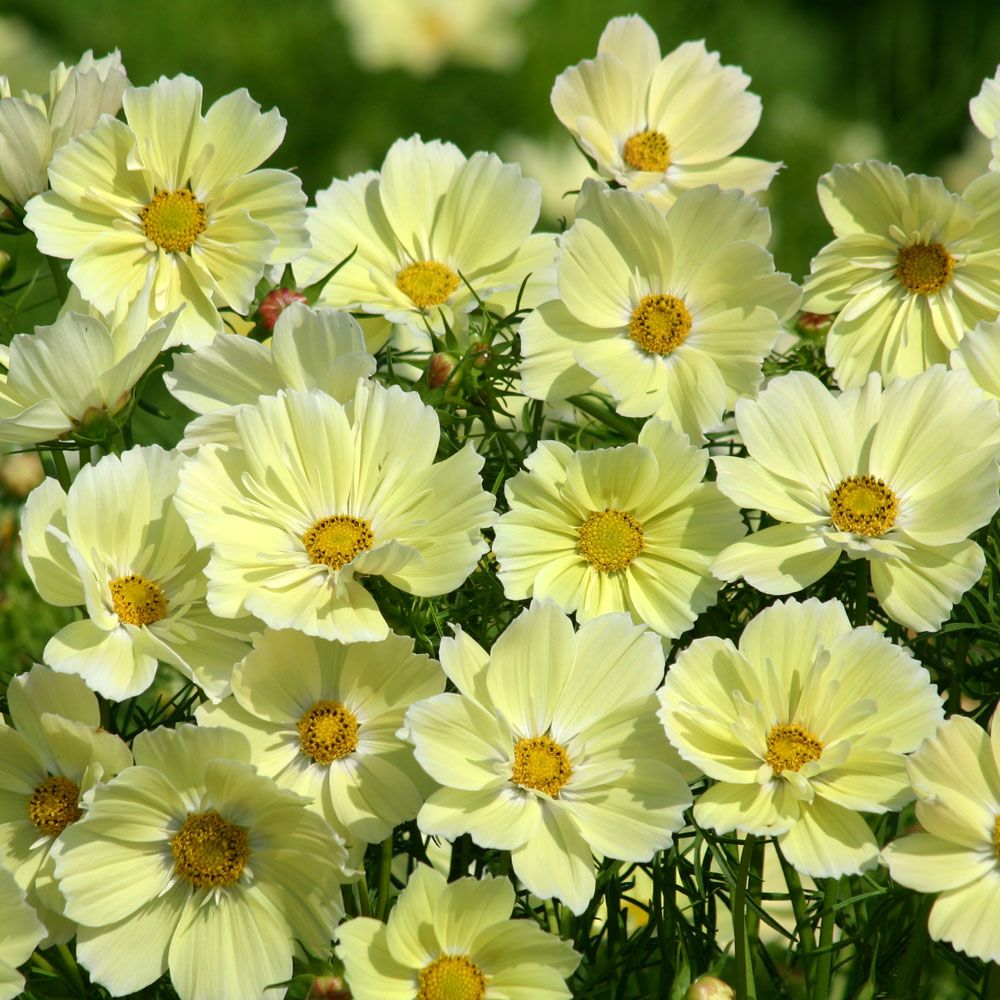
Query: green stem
824	960
551	918
350	900
62	469
364	900
746	987
620	424
384	877
862	584
72	967
803	922
59	278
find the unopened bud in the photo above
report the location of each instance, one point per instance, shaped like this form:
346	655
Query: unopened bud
482	351
709	988
439	370
20	474
328	988
276	302
814	324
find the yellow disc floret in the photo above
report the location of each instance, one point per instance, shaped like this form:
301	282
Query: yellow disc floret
173	219
863	505
610	540
335	541
328	731
451	977
790	746
542	764
924	268
136	600
209	851
647	150
427	283
54	804
659	323
996	837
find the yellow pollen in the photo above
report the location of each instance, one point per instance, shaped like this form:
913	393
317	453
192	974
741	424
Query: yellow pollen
335	541
54	804
210	851
996	837
137	601
610	540
790	746
427	283
660	323
924	268
863	505
648	150
173	219
328	731
451	977
542	764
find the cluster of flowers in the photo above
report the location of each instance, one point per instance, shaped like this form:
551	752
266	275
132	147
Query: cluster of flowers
248	557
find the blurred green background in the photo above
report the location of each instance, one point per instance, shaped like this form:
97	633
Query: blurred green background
839	81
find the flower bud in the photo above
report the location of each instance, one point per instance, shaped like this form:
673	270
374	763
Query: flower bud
276	302
439	370
21	473
709	988
328	988
814	324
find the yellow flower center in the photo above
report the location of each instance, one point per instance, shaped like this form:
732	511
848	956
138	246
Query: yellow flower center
924	268
451	977
863	505
335	541
173	219
210	851
996	837
610	540
137	601
328	731
660	323
542	764
648	150
790	746
54	804
427	283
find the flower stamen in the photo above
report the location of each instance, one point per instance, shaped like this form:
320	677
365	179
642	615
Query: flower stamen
209	851
924	268
427	283
790	746
328	732
451	977
54	804
610	540
660	323
335	541
647	150
863	505
542	764
173	220
137	601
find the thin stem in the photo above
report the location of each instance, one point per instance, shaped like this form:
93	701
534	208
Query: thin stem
605	416
384	877
746	987
803	922
862	584
72	967
824	961
364	900
59	278
62	469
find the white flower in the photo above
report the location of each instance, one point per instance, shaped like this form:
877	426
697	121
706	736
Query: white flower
310	349
116	544
50	758
802	727
670	316
192	862
422	35
317	494
431	235
617	529
551	750
175	194
32	127
77	375
862	474
660	126
912	267
985	111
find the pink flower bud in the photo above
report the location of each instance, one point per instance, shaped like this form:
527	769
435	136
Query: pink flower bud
814	324
276	302
328	988
439	370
